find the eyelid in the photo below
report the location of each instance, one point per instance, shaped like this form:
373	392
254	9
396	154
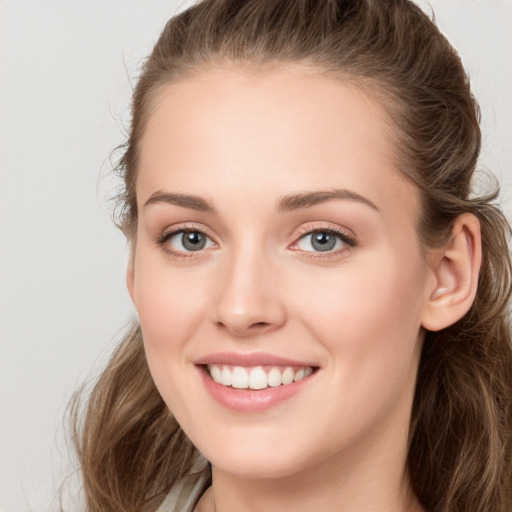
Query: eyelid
187	226
311	227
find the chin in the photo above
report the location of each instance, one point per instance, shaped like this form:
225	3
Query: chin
256	457
266	467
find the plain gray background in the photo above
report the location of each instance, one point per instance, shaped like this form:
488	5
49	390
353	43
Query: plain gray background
65	73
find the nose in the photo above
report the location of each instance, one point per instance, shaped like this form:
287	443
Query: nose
249	299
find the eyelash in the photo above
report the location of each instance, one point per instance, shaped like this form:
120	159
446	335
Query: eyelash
163	240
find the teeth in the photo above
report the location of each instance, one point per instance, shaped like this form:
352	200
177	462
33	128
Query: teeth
256	378
298	375
274	377
288	376
227	377
216	374
240	378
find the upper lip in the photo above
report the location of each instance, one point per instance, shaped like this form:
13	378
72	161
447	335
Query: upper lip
254	359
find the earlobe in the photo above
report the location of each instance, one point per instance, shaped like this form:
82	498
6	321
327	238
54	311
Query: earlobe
455	270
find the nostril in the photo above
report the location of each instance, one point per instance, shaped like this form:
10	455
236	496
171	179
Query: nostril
254	325
259	324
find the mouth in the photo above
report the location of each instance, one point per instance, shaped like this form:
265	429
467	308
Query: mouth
257	377
251	383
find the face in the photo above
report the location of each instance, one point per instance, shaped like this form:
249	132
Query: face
277	271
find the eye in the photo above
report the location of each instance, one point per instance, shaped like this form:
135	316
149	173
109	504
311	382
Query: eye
184	241
323	240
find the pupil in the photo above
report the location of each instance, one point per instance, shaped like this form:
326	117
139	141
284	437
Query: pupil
193	241
323	241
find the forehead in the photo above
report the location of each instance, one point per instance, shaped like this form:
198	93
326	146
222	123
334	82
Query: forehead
271	132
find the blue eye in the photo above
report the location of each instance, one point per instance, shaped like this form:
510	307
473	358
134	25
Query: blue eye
188	241
323	241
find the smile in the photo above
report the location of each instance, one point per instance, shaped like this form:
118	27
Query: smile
257	377
253	383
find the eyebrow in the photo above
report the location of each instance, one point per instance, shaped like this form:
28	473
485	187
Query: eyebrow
309	199
184	200
286	204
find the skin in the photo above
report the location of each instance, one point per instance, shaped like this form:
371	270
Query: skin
241	141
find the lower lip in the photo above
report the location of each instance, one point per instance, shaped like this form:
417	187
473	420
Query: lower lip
249	400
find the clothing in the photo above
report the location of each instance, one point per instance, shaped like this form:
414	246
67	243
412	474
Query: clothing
184	495
186	492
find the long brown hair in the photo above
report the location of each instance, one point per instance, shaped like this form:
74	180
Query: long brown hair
131	450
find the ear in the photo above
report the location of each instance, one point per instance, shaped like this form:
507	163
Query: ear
130	277
455	269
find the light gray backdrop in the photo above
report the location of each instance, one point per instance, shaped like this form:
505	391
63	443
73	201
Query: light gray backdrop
65	88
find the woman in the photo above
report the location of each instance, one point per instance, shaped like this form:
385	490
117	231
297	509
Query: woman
322	300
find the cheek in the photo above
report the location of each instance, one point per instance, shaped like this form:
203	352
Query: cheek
384	291
170	310
171	306
369	325
368	317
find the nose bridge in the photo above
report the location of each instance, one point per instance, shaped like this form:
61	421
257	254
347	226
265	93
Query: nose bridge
248	301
